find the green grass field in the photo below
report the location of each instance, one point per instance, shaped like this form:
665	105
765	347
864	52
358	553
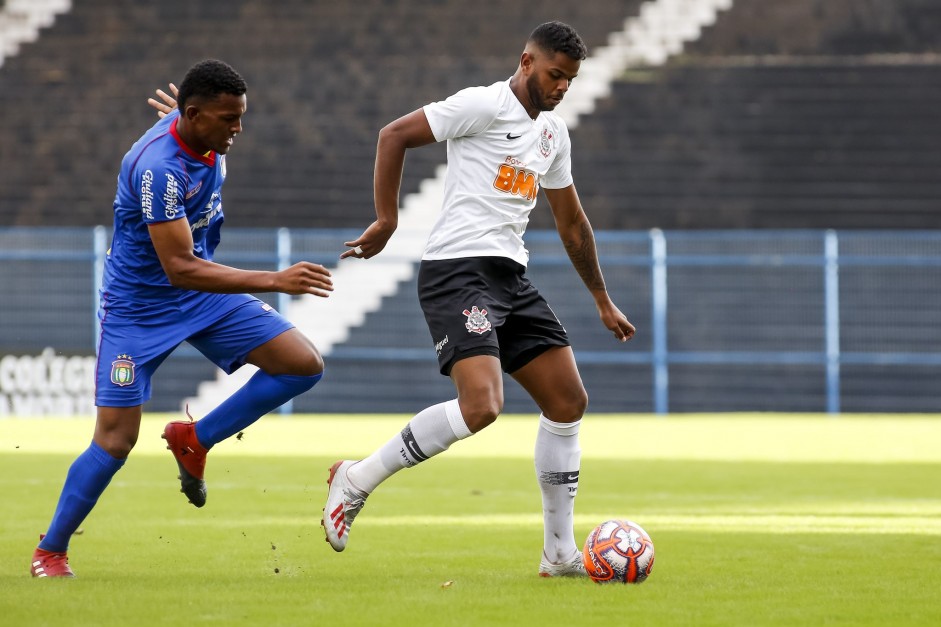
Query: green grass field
757	520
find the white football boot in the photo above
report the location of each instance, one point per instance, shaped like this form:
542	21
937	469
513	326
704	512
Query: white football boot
569	568
344	502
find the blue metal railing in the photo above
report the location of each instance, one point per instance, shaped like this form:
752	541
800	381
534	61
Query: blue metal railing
660	253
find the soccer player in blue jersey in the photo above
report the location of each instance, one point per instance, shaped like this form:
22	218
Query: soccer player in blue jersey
161	288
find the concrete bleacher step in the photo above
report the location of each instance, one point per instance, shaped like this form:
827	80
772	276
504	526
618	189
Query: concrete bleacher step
705	145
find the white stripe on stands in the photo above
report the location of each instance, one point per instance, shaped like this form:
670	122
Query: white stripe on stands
891	522
21	21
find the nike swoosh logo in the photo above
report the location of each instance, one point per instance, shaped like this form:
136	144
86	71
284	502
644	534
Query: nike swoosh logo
508	136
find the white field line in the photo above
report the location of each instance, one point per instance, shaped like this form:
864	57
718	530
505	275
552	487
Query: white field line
716	523
630	439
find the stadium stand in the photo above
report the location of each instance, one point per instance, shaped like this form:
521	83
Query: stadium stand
798	114
802	28
323	78
748	144
782	115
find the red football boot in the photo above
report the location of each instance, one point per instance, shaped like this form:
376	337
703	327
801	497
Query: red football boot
190	458
49	563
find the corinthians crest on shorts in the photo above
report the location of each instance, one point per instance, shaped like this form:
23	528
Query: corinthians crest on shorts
477	320
122	371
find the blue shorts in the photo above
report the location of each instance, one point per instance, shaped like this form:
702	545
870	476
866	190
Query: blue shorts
223	327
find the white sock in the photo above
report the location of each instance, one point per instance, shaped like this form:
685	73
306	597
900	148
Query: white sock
430	432
558	458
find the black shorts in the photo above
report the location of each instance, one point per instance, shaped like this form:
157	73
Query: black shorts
485	306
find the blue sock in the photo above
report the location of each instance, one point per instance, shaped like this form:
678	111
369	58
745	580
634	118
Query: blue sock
262	394
88	477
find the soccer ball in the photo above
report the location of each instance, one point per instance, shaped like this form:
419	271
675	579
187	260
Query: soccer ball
618	551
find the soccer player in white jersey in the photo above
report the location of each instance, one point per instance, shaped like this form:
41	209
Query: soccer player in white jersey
504	143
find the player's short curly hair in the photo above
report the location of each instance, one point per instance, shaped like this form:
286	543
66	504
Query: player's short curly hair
559	37
208	79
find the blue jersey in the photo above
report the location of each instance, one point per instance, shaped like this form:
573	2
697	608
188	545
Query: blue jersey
161	179
143	317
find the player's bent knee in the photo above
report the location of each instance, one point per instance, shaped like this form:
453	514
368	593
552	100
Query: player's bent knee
307	364
479	422
578	409
117	446
313	365
481	415
570	409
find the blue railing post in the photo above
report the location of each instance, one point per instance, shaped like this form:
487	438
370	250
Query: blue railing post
284	262
658	283
831	287
100	249
284	300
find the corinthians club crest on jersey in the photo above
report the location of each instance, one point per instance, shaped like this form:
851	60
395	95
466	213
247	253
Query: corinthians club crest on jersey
545	142
477	320
122	371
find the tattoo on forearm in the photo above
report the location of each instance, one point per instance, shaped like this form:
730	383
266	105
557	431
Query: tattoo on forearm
584	256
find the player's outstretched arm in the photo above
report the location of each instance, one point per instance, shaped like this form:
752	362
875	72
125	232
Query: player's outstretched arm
173	242
579	241
169	102
409	131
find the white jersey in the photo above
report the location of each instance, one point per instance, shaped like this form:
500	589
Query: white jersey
497	159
